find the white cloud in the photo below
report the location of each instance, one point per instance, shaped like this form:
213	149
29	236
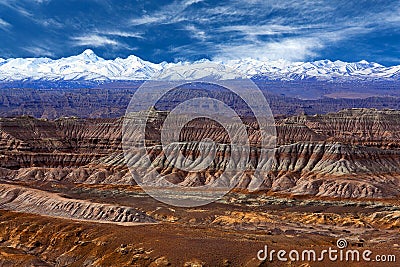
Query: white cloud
291	49
196	32
41	1
252	30
171	13
122	34
393	16
16	7
94	40
191	2
51	23
147	20
39	51
4	24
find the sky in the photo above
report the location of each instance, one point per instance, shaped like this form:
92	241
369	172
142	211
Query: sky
189	30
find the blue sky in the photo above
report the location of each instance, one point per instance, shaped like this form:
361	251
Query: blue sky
301	30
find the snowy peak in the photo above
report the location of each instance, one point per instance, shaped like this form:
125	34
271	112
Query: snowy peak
320	70
89	66
88	55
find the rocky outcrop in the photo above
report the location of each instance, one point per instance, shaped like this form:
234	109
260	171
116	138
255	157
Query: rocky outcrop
357	126
29	200
329	170
349	154
64	134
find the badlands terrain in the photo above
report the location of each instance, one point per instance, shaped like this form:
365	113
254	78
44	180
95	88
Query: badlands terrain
68	198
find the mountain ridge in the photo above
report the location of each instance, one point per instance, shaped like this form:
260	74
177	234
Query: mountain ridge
90	67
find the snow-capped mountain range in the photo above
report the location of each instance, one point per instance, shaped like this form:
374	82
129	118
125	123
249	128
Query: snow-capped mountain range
88	66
